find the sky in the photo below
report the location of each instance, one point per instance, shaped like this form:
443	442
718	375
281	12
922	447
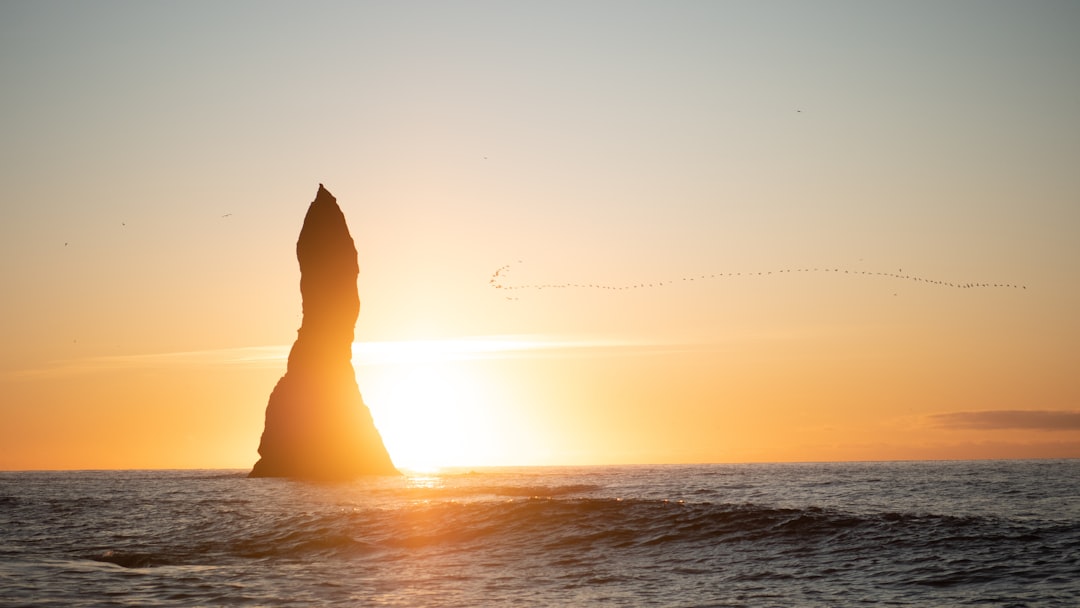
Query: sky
870	160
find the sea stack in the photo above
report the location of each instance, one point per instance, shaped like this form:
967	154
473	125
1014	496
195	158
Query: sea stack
317	425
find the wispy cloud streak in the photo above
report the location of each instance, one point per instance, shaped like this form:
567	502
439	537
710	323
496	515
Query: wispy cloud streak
364	353
1038	420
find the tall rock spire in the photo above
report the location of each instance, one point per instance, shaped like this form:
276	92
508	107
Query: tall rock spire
317	425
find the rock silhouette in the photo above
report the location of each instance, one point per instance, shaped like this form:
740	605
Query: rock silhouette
317	425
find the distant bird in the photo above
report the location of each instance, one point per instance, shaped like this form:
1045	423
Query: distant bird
226	215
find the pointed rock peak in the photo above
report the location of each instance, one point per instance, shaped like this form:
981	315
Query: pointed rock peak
324	214
323	192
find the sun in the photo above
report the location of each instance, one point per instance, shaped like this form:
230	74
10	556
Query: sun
430	406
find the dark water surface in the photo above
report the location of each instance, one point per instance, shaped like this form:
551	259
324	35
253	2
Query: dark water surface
988	533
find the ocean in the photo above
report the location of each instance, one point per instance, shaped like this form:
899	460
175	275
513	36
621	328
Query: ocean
979	533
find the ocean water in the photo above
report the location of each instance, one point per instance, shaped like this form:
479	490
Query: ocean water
987	533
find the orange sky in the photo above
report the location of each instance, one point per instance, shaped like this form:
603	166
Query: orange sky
157	162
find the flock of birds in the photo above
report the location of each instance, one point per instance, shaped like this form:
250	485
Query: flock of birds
500	274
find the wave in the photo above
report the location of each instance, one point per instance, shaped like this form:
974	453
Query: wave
566	528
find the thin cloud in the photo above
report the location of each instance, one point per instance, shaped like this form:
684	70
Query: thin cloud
257	356
995	420
456	349
364	353
503	347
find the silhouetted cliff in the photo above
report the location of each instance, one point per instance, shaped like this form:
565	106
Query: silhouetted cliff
317	425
